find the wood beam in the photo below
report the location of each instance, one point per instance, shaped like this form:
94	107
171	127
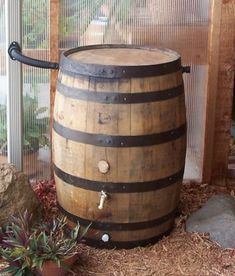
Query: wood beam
211	88
54	52
225	92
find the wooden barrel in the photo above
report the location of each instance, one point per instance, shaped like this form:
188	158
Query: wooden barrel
119	142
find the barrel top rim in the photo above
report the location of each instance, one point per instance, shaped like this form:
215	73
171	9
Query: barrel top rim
77	67
99	54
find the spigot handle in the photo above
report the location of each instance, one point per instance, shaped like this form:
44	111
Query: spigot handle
103	197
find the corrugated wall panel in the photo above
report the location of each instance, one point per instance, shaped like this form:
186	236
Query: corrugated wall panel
36	89
181	25
14	86
3	85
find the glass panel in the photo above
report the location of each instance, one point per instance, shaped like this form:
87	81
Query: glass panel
36	90
3	85
181	25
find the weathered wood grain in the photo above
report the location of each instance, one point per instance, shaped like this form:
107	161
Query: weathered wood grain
133	164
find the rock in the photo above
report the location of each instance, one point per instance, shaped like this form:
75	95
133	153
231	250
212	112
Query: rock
216	217
16	194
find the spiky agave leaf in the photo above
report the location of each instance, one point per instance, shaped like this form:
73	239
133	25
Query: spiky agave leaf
9	269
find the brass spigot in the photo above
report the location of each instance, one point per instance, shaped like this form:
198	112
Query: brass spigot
103	197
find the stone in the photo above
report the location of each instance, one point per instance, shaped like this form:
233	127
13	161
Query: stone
16	194
216	217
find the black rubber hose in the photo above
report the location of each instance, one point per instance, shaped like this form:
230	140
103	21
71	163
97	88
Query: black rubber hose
15	53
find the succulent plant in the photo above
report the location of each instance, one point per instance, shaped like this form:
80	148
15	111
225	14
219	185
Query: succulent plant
55	242
14	245
26	248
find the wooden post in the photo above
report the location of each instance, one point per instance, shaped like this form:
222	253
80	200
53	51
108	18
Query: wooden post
211	89
54	52
224	92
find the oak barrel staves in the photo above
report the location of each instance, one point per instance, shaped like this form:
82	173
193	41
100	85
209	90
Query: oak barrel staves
119	141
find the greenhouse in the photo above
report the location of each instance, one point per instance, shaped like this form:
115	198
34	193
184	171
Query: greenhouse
117	127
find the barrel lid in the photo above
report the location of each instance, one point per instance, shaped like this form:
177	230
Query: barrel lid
124	56
119	61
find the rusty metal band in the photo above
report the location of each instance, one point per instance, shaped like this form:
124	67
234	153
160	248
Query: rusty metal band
75	68
112	226
101	140
119	98
125	244
120	187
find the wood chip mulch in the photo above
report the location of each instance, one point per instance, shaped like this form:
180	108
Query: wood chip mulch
180	253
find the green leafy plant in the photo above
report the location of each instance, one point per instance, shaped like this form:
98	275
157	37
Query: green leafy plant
36	126
3	127
26	248
35	15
